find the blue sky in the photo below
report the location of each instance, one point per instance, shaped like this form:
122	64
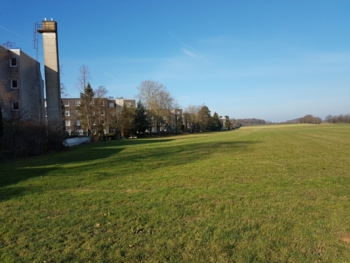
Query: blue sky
274	60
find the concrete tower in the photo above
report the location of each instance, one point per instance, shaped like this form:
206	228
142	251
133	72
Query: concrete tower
52	71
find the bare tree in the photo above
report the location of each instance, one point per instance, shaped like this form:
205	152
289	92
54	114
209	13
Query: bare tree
64	93
191	119
157	100
84	78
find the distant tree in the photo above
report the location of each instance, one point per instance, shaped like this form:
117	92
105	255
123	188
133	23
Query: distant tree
141	119
9	45
307	119
127	121
215	122
227	123
84	78
204	118
158	101
328	118
179	127
85	109
190	118
64	93
338	119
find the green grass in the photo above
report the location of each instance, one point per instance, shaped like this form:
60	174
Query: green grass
257	194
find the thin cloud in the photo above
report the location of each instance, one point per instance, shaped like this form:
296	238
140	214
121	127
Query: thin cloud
13	32
189	53
108	74
181	42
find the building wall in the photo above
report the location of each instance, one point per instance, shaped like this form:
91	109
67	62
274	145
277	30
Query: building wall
128	102
31	87
70	115
172	123
103	115
29	92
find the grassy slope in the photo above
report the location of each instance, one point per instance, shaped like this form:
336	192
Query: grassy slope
260	194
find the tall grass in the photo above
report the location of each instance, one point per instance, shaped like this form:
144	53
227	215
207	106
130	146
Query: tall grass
258	194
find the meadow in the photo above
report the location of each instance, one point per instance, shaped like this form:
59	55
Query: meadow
258	194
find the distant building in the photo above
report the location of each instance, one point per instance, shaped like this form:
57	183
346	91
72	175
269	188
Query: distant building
127	102
172	122
107	114
22	86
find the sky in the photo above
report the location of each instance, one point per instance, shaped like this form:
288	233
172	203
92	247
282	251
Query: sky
275	60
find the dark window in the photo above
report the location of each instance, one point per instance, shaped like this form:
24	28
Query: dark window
13	62
15	105
14	84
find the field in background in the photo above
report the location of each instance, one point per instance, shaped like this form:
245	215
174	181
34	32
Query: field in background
257	194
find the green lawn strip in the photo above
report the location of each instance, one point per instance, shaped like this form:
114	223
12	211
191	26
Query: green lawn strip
271	194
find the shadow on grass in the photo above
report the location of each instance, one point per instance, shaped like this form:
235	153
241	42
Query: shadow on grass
16	171
95	157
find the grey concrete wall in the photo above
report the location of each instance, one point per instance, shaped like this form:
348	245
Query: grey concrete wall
52	75
31	87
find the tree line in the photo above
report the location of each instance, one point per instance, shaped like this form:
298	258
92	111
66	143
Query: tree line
338	118
156	111
310	119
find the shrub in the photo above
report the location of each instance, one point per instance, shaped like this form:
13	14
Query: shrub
27	138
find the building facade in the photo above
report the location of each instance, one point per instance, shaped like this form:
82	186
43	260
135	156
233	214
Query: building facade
105	113
22	86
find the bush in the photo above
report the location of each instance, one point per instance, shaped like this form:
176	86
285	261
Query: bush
27	138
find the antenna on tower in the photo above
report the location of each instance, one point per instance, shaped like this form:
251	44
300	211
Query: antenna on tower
35	37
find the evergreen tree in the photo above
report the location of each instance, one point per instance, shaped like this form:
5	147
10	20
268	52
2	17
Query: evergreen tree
204	118
86	108
127	121
215	122
141	119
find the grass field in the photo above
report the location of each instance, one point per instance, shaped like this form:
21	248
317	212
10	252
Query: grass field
257	194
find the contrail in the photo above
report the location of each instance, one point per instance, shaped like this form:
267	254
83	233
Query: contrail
14	33
182	43
110	75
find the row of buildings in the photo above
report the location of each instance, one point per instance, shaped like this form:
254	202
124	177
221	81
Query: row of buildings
108	113
22	95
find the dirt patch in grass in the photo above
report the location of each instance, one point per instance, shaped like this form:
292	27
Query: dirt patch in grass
345	238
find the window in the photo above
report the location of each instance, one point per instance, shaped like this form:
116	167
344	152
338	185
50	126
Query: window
15	105
102	122
67	113
66	103
13	62
111	104
14	84
128	104
78	113
77	103
78	122
102	113
67	123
